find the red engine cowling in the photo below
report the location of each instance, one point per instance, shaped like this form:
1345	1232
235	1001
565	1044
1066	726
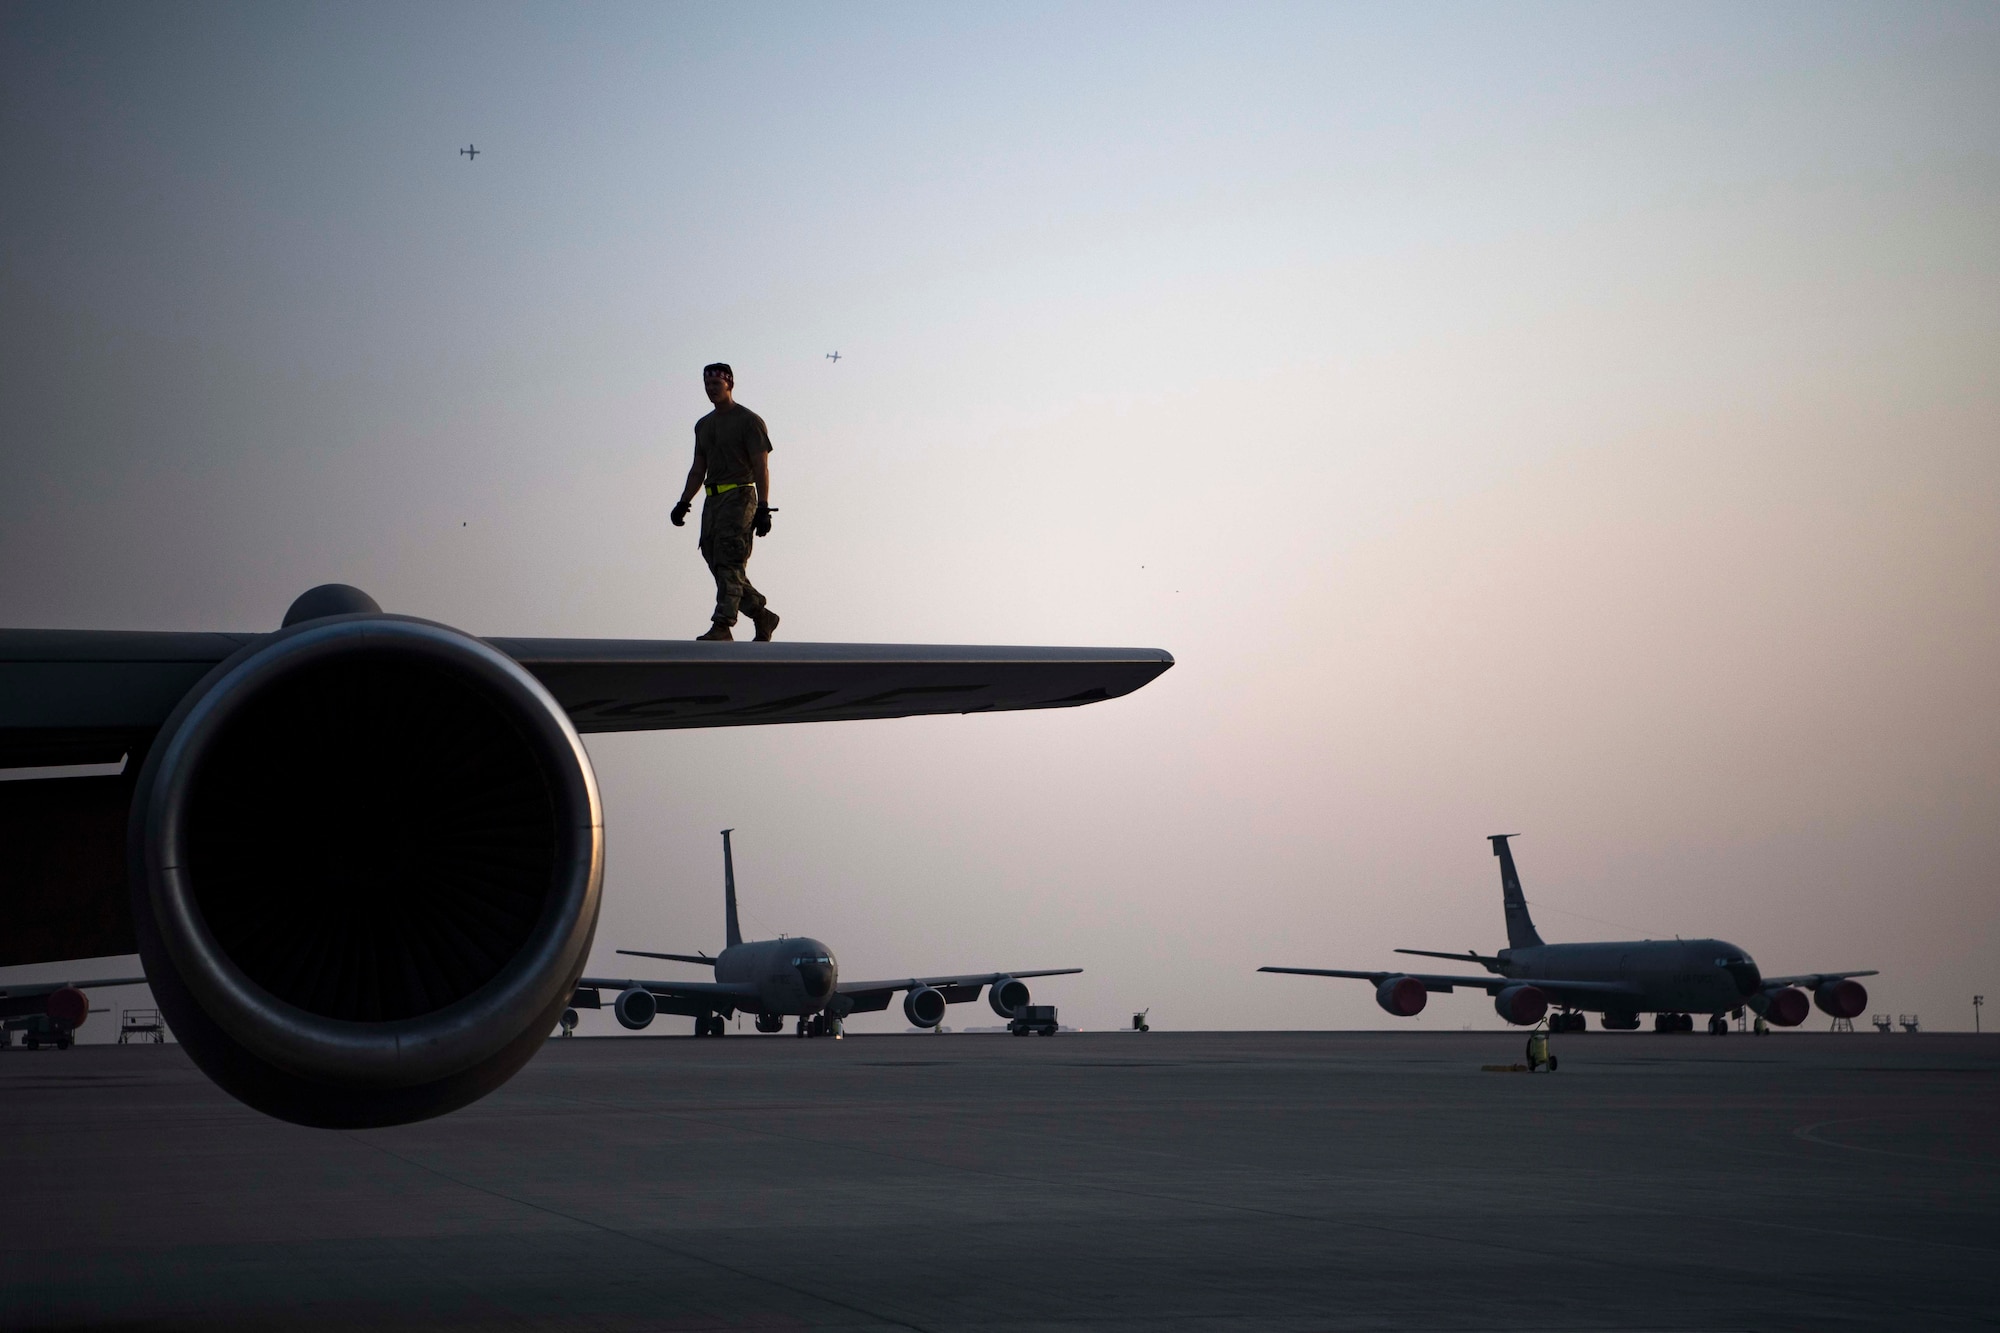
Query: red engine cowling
1845	998
1402	996
1785	1008
1521	1004
68	1007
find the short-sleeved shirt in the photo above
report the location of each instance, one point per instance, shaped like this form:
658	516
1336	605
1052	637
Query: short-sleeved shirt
730	438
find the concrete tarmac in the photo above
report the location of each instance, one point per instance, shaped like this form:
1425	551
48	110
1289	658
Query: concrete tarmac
1180	1181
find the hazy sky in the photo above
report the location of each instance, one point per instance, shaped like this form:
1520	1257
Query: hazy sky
1575	420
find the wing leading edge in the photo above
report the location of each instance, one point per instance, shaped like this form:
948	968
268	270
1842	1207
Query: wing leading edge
91	696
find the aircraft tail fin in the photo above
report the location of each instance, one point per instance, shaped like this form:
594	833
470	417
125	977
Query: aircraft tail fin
1521	932
734	932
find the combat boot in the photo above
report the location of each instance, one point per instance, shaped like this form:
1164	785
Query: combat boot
717	633
766	621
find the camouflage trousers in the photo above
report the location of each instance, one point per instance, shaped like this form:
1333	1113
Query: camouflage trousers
726	539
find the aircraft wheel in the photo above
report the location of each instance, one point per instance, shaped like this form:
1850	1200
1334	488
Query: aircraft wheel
1552	1064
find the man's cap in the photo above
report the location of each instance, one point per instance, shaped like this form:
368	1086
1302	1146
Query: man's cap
719	368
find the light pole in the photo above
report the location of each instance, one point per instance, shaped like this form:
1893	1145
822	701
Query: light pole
1977	1002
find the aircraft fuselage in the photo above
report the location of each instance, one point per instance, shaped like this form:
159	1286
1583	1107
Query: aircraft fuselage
1664	976
795	976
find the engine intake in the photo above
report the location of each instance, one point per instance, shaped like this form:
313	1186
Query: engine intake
924	1007
366	854
1521	1004
635	1008
1007	996
1404	997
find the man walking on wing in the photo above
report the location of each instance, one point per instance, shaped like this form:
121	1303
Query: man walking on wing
732	462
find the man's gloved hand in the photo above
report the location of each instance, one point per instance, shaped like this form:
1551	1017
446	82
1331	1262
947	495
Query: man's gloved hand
761	525
680	514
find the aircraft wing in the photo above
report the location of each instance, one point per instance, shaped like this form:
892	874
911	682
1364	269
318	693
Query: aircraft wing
692	998
23	990
697	990
1555	987
1812	979
869	996
92	696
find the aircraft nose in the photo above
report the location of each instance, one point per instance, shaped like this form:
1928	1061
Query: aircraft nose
818	979
1748	979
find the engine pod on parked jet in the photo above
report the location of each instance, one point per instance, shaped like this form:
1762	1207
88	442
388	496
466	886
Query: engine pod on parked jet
1008	996
366	853
1845	998
924	1007
1521	1004
1404	997
635	1008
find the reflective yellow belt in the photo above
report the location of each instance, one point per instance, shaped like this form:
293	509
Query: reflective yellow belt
729	486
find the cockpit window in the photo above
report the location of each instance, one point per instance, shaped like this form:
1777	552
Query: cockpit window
811	958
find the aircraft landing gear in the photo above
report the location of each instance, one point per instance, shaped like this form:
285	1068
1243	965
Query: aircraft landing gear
820	1025
1571	1021
709	1025
770	1022
1718	1025
1673	1022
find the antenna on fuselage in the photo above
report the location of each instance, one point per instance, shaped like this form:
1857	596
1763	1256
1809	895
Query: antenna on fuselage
732	933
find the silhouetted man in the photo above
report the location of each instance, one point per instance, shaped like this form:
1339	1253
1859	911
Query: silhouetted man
732	463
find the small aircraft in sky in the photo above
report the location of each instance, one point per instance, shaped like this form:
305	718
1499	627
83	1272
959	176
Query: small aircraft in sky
789	977
833	356
1671	979
470	152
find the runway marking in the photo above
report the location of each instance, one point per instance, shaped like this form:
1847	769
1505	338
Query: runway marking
1808	1134
639	1240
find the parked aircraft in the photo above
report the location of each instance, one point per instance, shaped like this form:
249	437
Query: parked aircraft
360	857
1671	979
49	1012
791	977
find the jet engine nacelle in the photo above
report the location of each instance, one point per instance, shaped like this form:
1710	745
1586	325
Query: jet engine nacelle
365	857
1845	998
1402	996
1785	1007
1521	1004
924	1007
635	1008
1008	996
68	1007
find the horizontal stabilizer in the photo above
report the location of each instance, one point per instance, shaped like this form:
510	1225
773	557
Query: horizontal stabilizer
701	958
1491	964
